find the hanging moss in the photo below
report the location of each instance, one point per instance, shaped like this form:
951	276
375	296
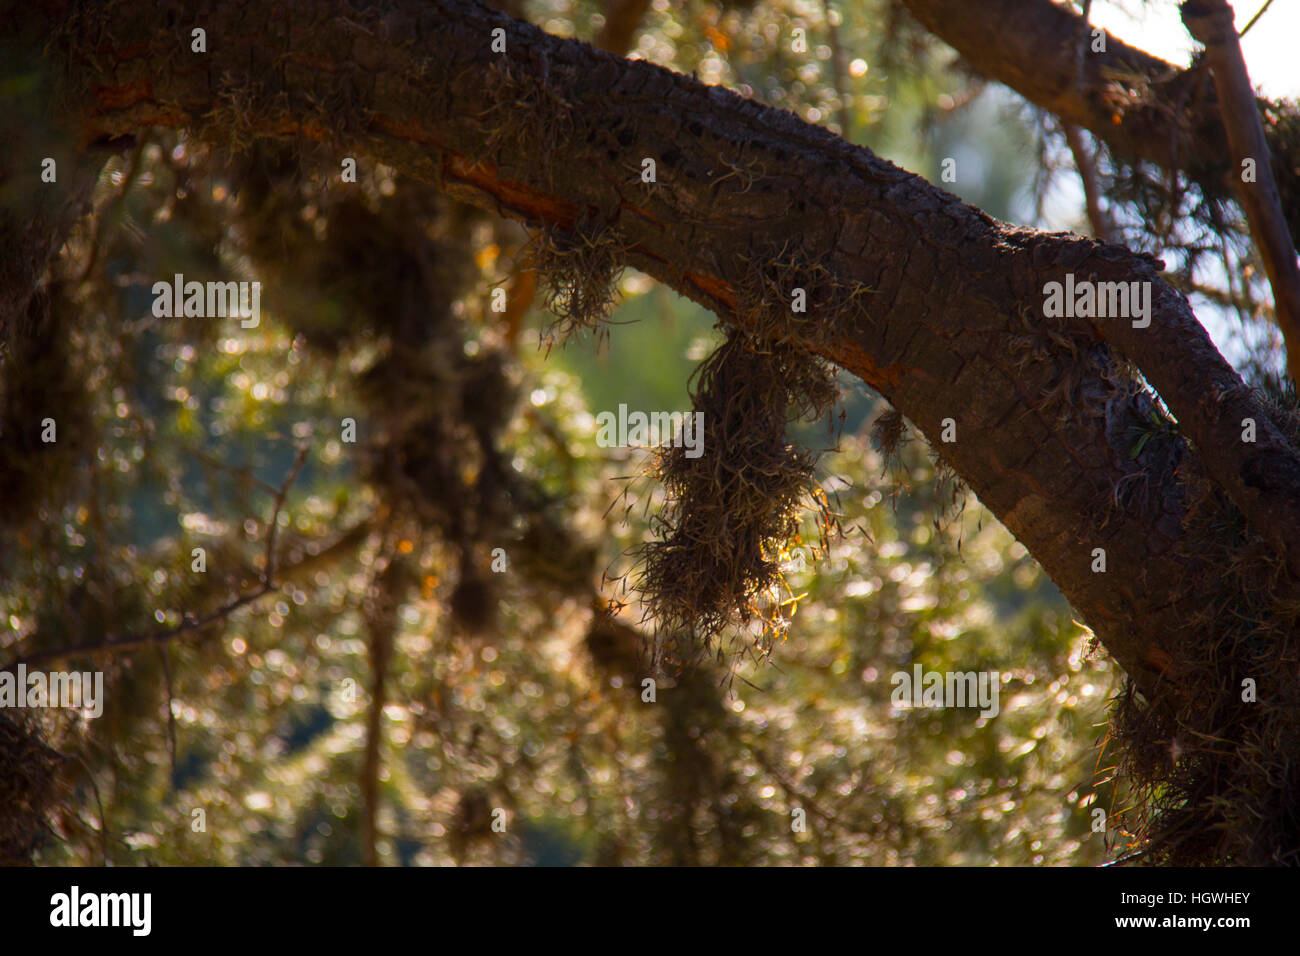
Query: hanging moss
580	269
732	509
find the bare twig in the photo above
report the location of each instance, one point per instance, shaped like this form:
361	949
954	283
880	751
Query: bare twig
103	818
189	624
1255	19
165	654
1227	298
792	791
268	570
240	471
111	205
1083	162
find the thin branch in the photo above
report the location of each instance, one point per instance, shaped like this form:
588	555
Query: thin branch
189	624
1227	298
239	471
165	654
1083	162
1085	31
111	206
1255	19
99	802
792	791
268	571
1211	23
370	770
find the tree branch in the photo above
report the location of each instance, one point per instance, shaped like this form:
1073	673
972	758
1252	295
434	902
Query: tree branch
1211	23
1255	19
1084	163
553	132
1141	106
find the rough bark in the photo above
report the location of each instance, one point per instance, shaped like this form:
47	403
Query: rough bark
553	132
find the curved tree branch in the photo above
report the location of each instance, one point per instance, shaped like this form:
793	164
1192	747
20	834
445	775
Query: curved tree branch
945	319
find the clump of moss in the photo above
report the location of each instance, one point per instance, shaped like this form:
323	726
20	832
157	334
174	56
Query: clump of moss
778	278
888	432
526	121
580	269
732	509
